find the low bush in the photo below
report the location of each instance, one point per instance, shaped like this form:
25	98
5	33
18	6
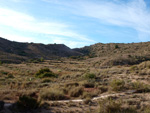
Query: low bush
4	73
136	85
27	103
140	87
48	74
10	76
52	94
76	92
42	73
113	106
117	85
109	106
90	76
90	94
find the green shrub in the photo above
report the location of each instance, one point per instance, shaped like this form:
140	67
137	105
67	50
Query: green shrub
52	94
90	76
117	85
27	103
42	73
4	73
48	74
42	59
10	76
116	46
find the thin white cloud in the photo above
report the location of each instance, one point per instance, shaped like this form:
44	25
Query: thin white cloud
27	23
15	37
132	13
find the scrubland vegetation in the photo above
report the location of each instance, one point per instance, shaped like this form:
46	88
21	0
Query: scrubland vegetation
38	87
111	78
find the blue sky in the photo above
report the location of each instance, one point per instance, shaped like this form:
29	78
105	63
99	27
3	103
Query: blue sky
75	23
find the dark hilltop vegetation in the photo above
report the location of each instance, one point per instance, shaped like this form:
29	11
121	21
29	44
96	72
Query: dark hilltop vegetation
101	78
16	52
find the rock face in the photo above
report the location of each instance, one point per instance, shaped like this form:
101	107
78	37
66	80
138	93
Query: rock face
1	105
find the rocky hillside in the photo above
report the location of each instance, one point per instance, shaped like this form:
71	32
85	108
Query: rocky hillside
117	53
11	51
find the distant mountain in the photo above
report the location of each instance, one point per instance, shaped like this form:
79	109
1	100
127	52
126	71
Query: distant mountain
11	51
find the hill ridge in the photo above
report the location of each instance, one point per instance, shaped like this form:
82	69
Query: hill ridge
24	51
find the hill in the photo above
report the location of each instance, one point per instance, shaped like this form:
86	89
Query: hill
99	54
117	53
16	52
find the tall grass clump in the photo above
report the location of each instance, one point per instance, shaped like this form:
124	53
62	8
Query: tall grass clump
140	87
52	94
76	92
109	106
117	85
113	106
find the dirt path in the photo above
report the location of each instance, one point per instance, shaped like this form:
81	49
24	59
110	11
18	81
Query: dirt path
96	98
8	105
